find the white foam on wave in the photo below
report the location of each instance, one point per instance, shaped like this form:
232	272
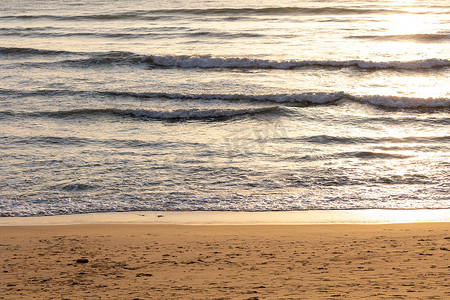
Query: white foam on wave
248	63
304	201
210	62
404	102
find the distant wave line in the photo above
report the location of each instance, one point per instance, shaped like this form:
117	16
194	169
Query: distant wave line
422	37
313	139
151	14
7	51
329	139
174	115
18	33
73	140
295	99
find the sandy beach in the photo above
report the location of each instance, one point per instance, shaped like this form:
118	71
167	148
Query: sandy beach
224	149
105	261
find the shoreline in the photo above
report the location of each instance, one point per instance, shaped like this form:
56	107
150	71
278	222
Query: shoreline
309	217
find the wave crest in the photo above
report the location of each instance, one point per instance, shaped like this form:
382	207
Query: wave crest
295	99
178	114
305	99
207	62
30	51
422	37
160	13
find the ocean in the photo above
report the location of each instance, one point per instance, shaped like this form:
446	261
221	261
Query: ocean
113	105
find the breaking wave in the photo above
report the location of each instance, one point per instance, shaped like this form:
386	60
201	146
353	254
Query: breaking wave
209	62
206	62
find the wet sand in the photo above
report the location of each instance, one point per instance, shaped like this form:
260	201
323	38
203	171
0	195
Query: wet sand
225	262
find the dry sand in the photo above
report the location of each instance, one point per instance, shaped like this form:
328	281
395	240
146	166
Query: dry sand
226	262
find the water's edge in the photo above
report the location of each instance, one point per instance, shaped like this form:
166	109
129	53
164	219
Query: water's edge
311	217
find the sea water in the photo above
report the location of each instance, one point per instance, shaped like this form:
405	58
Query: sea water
113	105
